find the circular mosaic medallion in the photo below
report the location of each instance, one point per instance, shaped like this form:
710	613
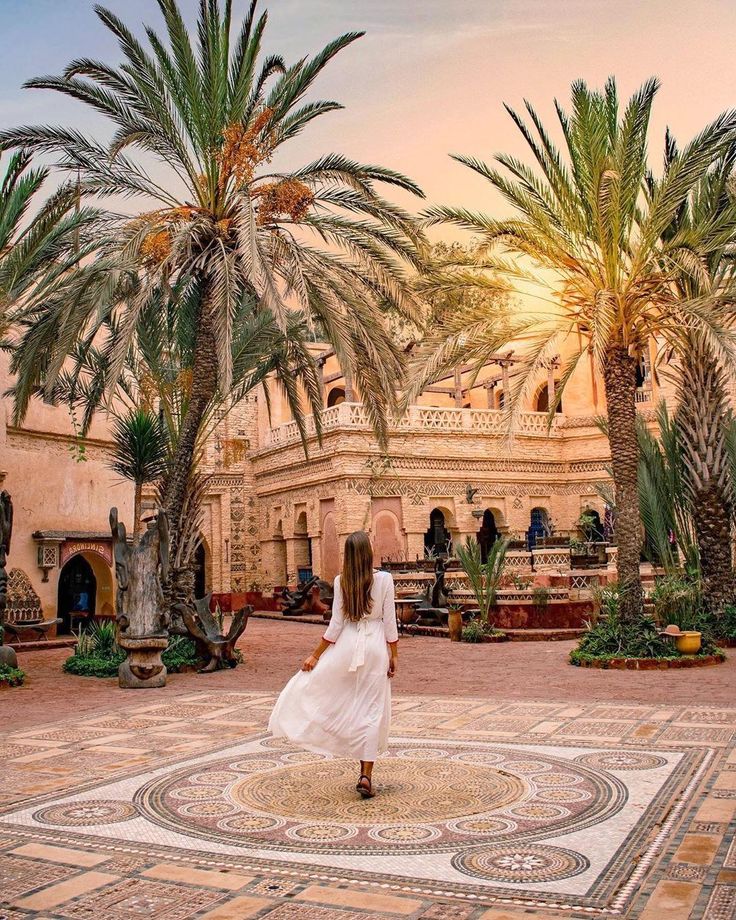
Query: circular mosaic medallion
523	864
484	827
216	777
320	833
249	823
538	811
425	803
622	760
426	790
404	833
87	814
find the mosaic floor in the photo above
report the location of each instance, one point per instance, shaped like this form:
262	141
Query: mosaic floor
186	808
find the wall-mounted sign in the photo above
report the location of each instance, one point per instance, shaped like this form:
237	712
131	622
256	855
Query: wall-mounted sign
100	548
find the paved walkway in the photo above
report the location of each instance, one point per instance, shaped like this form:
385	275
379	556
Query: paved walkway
273	651
500	805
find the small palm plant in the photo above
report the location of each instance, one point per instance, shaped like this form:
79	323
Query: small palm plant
140	454
484	577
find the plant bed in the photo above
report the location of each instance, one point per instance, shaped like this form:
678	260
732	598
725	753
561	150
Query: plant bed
726	643
648	664
11	677
98	655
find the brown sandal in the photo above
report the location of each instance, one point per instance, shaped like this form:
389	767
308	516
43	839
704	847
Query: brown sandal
365	791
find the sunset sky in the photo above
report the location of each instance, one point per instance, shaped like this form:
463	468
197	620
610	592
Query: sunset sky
430	77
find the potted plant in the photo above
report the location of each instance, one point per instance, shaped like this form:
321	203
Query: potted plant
677	607
484	577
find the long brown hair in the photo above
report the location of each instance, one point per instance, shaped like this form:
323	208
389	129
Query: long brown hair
357	576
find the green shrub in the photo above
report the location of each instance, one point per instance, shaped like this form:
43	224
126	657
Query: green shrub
12	676
677	600
181	653
724	626
473	632
97	653
93	665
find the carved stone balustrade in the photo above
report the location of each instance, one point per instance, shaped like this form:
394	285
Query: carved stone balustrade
353	416
552	559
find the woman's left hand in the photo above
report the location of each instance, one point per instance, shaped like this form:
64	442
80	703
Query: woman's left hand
393	662
310	663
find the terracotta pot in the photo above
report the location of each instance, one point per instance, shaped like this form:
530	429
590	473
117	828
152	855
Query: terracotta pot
689	643
455	625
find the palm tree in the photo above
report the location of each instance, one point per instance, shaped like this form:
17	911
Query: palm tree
212	115
595	246
42	247
140	453
704	229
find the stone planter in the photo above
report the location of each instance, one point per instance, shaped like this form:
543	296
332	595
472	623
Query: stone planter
455	625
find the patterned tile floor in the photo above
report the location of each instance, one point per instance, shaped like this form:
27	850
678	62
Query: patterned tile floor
185	808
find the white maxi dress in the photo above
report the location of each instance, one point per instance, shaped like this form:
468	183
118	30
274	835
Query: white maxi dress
343	705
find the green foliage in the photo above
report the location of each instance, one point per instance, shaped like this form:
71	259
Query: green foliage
677	600
97	653
141	446
612	638
664	502
474	631
93	665
725	626
484	577
181	653
12	676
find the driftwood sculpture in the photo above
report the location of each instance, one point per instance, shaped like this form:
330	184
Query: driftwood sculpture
143	621
313	598
7	655
211	643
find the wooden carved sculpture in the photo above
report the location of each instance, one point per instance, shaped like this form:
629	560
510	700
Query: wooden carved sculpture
143	620
212	644
7	655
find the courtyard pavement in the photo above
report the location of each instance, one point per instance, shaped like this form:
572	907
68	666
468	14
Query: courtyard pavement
176	804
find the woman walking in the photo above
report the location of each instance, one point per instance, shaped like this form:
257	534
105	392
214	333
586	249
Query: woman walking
340	701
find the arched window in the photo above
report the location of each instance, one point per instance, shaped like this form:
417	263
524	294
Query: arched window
335	396
541	403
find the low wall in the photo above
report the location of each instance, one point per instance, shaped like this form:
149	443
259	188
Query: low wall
554	615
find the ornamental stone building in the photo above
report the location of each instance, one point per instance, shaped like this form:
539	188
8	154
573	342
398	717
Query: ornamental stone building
453	468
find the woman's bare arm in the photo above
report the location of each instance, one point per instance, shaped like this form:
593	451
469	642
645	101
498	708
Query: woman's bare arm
310	662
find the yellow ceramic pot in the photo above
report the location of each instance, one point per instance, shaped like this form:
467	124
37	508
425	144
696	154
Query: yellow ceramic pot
688	643
455	625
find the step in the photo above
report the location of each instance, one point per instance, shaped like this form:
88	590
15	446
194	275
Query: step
39	645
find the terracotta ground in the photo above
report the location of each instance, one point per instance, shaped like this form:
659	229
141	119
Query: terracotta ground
273	651
516	697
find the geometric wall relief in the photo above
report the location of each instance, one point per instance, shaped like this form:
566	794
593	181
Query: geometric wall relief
551	823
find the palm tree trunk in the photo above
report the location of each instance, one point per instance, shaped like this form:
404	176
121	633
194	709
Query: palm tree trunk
619	375
703	418
203	390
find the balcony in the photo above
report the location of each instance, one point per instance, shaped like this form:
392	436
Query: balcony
423	420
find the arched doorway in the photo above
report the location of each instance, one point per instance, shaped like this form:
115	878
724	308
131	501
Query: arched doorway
437	537
538	526
335	396
591	525
488	534
77	596
302	549
200	571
